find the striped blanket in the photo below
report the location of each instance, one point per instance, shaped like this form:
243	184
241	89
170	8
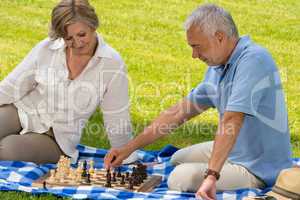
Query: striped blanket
18	176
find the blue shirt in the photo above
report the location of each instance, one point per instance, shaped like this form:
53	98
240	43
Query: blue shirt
250	83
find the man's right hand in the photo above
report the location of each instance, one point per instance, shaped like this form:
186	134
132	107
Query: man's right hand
115	157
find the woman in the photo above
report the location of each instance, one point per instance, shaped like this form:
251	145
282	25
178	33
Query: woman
46	100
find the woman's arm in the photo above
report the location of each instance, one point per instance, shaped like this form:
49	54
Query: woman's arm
20	81
115	107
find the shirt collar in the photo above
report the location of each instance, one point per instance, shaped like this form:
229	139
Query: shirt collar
102	51
243	42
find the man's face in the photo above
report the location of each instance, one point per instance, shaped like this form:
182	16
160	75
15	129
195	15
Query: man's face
211	49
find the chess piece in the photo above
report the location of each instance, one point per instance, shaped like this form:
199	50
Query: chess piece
78	178
133	170
122	180
52	176
87	179
78	174
61	177
107	172
71	174
130	185
45	185
94	175
85	165
119	172
108	184
114	177
84	170
135	181
108	180
91	169
127	176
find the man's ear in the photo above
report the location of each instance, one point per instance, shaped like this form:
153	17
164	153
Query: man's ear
220	36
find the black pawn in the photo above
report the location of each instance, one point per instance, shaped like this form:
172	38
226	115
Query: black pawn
107	184
135	181
127	176
88	179
84	172
122	180
108	180
130	185
133	170
45	185
119	172
107	172
114	179
85	165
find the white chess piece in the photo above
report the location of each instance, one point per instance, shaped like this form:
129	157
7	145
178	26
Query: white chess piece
52	176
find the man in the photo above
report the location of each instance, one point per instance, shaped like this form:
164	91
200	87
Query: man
252	143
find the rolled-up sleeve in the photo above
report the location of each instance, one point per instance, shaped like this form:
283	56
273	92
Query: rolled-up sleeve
204	92
21	80
200	96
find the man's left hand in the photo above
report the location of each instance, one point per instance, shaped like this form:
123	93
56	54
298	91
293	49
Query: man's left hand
207	190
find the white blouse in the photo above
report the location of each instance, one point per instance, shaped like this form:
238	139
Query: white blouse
39	87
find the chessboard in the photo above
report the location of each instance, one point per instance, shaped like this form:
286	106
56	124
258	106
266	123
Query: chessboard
86	175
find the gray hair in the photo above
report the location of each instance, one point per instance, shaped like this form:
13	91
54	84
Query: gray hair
212	18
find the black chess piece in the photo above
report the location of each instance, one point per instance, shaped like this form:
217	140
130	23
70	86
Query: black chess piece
85	164
119	172
135	180
140	179
133	170
122	180
114	179
88	178
107	172
45	185
143	170
84	171
107	184
127	176
130	184
108	180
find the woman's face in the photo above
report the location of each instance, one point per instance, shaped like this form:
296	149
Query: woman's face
80	38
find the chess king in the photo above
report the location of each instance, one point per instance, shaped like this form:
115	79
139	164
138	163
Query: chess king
47	99
252	142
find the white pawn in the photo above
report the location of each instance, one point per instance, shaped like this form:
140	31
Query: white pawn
52	176
91	169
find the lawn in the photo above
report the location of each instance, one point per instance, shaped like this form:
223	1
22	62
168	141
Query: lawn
151	40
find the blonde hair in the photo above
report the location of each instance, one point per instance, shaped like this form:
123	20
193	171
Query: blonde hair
67	12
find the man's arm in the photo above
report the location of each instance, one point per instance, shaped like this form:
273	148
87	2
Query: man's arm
227	133
169	120
165	123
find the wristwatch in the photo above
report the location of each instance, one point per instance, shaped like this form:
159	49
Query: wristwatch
211	172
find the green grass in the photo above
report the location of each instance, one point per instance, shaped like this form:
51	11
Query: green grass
150	38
